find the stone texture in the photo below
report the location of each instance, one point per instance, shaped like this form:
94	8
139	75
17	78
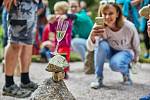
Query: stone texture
79	83
50	90
89	63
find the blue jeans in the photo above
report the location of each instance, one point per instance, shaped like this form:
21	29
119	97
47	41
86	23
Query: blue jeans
79	45
45	53
118	60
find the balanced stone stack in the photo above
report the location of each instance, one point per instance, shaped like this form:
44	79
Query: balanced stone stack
54	88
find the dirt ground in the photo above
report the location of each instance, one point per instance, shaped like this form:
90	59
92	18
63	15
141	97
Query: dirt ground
79	83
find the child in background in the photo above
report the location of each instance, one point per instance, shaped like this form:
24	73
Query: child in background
60	8
48	38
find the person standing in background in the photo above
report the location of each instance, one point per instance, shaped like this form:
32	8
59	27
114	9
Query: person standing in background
22	18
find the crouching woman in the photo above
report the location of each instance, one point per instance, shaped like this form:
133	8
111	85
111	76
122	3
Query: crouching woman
117	41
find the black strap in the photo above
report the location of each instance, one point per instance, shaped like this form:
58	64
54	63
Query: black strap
1	2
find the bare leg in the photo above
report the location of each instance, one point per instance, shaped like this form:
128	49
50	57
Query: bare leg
25	58
11	58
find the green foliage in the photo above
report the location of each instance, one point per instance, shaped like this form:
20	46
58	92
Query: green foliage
89	3
1	42
73	57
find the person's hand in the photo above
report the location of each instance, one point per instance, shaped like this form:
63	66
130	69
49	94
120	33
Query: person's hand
97	31
136	59
148	27
51	18
47	44
8	3
135	2
63	17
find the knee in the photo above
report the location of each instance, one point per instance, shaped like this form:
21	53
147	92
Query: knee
114	65
74	42
103	45
15	47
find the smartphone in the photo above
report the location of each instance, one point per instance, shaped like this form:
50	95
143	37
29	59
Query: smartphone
99	21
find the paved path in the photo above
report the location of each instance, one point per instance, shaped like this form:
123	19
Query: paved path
78	83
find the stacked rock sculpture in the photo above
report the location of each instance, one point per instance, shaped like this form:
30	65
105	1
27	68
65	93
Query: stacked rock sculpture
54	88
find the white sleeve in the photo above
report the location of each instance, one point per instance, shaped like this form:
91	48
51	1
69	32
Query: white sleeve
90	45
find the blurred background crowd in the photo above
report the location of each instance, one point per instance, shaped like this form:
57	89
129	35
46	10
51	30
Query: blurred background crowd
130	10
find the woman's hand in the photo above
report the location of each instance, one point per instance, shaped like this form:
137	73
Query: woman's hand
97	31
8	3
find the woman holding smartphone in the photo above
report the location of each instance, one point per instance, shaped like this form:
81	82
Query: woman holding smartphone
118	42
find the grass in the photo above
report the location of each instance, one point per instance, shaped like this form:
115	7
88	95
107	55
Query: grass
73	57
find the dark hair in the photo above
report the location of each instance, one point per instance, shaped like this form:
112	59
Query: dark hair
120	18
76	1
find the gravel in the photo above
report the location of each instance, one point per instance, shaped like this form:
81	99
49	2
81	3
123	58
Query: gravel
79	83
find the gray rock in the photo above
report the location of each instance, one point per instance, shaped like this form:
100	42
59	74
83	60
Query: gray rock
50	90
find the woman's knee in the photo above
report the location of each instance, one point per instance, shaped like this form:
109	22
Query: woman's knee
114	65
103	46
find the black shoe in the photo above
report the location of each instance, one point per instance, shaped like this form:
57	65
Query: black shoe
66	76
30	86
15	91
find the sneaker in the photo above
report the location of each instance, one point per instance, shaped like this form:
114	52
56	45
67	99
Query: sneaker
30	86
127	80
98	83
147	97
15	91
